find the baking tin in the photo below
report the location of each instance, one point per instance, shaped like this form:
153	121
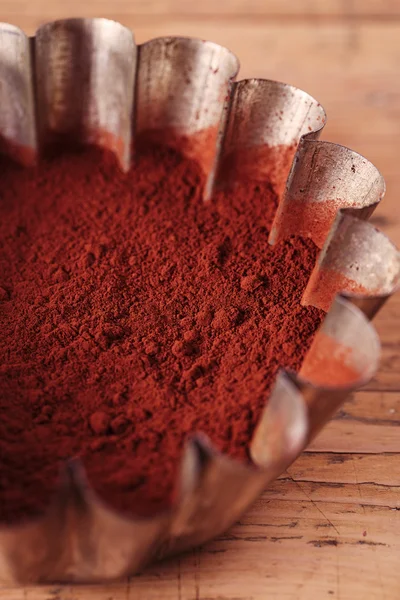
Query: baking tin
87	81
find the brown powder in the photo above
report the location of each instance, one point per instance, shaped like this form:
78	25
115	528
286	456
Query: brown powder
133	314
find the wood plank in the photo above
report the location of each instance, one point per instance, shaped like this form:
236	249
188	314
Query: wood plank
372	408
343	478
339	436
387	324
303	9
369	423
356	469
292	490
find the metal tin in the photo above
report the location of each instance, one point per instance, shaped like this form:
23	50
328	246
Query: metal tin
86	80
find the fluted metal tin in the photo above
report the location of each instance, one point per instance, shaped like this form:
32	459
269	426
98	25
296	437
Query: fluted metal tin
325	177
85	80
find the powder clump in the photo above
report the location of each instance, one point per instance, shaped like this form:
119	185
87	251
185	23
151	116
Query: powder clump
133	314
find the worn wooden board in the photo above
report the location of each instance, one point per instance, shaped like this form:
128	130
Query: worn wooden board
233	9
330	527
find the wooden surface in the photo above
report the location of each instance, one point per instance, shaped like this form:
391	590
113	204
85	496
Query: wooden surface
330	527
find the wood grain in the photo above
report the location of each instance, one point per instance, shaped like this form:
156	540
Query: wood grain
369	424
330	527
233	9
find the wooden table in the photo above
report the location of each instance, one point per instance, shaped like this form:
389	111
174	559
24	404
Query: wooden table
330	527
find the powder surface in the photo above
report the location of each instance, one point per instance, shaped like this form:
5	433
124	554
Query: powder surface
133	314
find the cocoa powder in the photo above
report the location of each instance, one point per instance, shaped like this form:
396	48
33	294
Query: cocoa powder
133	314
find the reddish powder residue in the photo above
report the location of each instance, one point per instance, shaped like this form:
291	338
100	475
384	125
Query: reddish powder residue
105	139
24	155
200	146
305	218
329	363
132	314
324	284
258	163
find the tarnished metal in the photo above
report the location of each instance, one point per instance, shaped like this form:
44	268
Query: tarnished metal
358	260
325	177
183	88
82	74
85	70
17	114
266	121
